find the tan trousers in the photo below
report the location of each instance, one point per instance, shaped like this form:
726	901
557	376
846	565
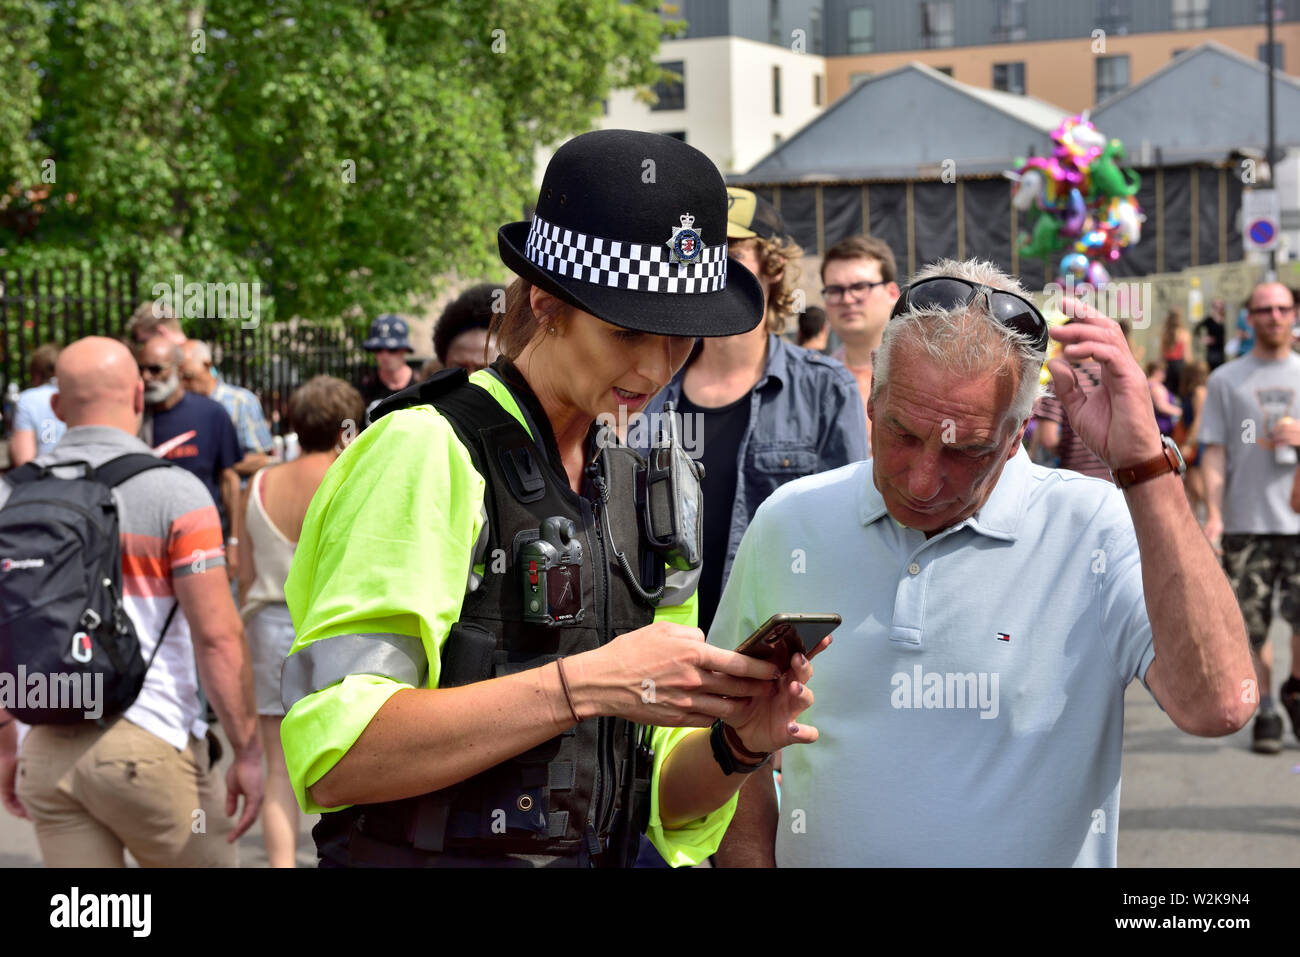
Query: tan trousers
92	793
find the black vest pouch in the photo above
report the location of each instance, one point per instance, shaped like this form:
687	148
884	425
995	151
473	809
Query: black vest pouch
467	655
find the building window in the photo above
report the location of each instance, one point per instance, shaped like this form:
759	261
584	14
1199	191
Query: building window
857	78
604	107
1113	16
678	135
774	22
938	25
1112	75
815	32
1178	52
776	91
1191	14
671	93
1278	61
1010	25
776	140
862	30
945	70
1009	77
818	93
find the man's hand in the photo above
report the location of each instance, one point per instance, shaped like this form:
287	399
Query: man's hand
8	794
1117	421
1214	531
1286	432
244	778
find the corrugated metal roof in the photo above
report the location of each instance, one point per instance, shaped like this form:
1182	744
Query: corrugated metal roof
1201	107
873	132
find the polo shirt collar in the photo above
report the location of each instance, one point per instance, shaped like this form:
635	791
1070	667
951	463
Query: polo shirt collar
998	517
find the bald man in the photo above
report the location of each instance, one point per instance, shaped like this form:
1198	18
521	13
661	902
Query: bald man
242	406
1250	425
193	431
137	784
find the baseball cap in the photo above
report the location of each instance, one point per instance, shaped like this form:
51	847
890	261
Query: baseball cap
750	215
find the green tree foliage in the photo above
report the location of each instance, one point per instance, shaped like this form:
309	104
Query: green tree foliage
342	153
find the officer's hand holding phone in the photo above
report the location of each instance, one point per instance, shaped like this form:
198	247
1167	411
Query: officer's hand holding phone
666	675
789	641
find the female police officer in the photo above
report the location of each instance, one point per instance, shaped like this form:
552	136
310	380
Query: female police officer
492	666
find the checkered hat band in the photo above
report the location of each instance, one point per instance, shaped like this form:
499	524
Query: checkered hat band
636	266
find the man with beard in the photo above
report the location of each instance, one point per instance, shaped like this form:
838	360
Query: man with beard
192	430
1250	425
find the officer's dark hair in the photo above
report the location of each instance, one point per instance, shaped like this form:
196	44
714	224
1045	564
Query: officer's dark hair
472	309
811	323
516	327
322	407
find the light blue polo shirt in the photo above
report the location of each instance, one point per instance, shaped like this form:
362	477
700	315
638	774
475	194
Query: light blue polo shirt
971	706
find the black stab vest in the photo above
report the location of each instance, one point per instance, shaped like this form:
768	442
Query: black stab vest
582	798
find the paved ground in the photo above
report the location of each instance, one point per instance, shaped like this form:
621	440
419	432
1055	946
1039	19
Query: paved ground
1186	801
1207	802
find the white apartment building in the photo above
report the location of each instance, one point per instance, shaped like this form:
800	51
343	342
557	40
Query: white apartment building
737	98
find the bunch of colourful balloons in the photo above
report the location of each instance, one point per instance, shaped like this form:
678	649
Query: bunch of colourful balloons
1080	200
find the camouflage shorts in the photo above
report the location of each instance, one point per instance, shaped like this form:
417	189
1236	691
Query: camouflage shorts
1256	565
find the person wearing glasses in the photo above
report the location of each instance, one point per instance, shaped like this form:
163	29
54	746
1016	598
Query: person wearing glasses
193	431
858	288
971	710
1250	430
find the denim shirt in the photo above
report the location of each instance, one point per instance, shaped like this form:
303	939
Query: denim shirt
805	416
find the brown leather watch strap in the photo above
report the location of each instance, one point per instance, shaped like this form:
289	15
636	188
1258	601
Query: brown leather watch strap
1132	475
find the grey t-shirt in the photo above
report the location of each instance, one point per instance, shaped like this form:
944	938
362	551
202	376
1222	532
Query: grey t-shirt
1244	401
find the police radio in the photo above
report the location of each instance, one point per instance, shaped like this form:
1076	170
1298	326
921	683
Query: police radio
551	567
673	498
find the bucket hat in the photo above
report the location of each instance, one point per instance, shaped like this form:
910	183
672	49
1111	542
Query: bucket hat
632	228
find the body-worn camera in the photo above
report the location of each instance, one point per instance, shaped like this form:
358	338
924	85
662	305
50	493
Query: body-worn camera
550	565
673	514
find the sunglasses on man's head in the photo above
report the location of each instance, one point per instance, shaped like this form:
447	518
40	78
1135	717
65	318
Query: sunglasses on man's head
948	292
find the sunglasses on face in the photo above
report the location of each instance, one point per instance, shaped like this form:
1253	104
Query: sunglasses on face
152	368
948	292
859	290
1261	311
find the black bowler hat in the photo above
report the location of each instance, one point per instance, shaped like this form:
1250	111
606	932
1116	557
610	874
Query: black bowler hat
632	228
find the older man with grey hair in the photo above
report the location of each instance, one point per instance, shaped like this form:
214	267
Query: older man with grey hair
971	709
191	430
243	407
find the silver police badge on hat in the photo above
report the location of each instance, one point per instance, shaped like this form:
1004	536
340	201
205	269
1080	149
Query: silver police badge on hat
686	246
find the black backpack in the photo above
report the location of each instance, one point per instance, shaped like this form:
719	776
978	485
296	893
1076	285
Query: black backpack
67	647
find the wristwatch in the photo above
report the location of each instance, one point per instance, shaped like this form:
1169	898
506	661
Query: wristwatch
720	737
1169	460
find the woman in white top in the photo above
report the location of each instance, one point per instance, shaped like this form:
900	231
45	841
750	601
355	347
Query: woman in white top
325	413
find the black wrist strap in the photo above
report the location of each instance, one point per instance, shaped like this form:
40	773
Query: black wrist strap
722	753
